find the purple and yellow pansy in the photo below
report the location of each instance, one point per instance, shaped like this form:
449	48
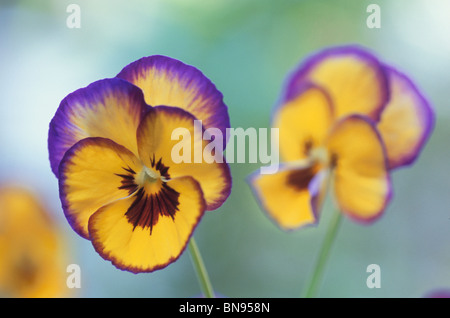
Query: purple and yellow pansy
110	148
345	121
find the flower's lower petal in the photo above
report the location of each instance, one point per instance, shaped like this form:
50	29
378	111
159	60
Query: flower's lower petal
362	184
291	197
161	235
303	122
94	172
167	81
406	122
159	137
109	108
353	77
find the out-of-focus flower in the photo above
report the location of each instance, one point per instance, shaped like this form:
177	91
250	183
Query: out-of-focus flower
438	293
31	247
345	120
112	153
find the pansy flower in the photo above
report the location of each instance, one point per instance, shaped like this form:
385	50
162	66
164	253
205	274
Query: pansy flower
345	121
32	249
110	146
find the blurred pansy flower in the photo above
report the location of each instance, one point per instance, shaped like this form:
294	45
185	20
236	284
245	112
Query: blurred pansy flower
31	247
345	120
438	293
110	146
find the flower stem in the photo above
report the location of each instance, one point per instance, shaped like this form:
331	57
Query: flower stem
202	274
330	236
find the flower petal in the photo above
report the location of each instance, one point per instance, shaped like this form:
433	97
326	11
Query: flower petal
362	184
109	108
158	140
303	122
94	172
145	249
406	122
167	81
293	196
352	76
32	249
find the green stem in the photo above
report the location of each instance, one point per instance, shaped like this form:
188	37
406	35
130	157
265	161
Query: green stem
316	278
202	274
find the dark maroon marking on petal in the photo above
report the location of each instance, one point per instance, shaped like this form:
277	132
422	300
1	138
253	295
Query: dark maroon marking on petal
313	187
163	170
147	208
119	263
308	146
301	178
135	206
129	170
172	199
128	180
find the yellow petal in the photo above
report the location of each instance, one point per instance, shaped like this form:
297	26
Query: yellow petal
157	142
303	122
293	196
167	81
352	76
108	108
361	180
136	247
406	122
31	247
95	172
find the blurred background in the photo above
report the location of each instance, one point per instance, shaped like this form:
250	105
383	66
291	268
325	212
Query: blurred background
246	48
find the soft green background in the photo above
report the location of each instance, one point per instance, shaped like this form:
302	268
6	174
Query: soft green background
246	48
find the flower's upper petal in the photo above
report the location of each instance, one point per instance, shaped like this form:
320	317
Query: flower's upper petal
94	172
109	108
167	81
303	122
293	196
406	122
362	185
353	77
153	236
160	135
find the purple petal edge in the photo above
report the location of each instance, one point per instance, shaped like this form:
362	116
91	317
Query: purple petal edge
59	137
428	119
206	87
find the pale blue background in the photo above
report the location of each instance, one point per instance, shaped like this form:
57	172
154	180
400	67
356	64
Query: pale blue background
246	48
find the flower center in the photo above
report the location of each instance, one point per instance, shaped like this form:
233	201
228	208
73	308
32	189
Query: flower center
149	179
320	155
153	197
